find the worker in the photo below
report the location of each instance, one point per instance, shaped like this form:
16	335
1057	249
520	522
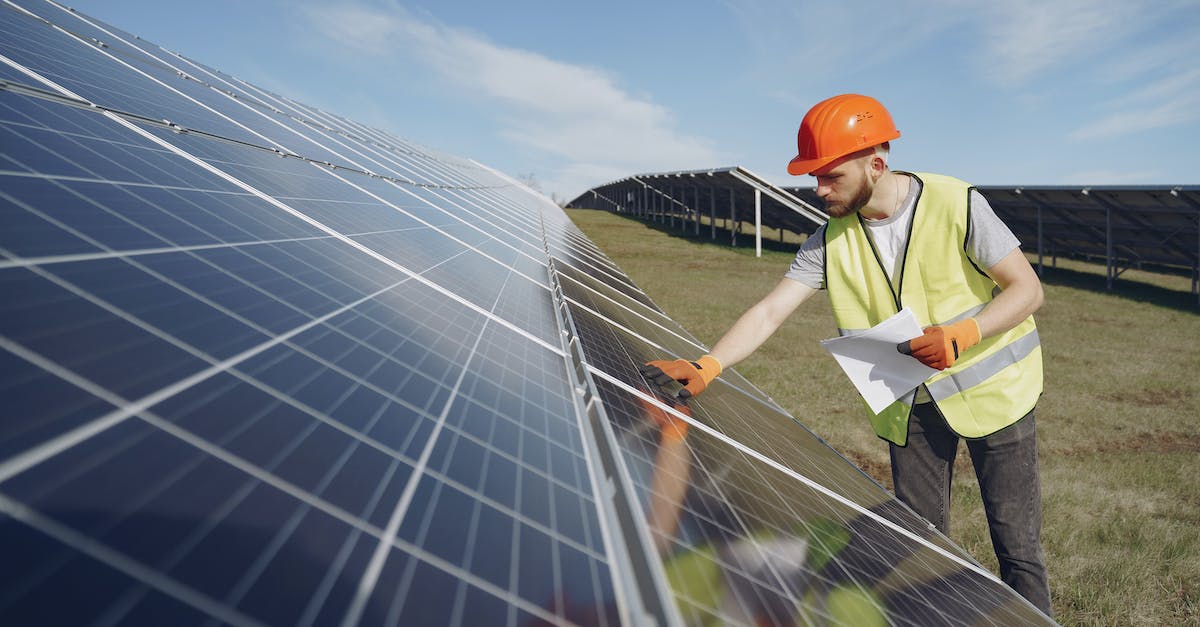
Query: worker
932	244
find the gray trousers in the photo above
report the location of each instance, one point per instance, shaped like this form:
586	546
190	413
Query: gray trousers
1006	466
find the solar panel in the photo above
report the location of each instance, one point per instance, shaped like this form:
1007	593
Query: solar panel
265	365
1155	227
732	195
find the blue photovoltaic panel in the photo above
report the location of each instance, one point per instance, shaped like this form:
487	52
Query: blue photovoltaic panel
265	365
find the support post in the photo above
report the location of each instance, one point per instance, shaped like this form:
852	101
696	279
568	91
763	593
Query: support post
1041	268
1108	248
712	213
732	219
671	204
757	222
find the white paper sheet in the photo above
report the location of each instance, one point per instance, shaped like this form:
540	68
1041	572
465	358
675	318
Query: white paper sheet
880	373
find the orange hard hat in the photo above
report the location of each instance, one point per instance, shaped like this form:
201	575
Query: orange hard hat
839	126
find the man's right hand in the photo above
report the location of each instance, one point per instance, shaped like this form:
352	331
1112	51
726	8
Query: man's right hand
694	375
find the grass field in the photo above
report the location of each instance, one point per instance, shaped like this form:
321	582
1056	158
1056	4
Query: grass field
1118	425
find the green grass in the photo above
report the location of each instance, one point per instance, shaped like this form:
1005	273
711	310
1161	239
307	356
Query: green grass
1118	426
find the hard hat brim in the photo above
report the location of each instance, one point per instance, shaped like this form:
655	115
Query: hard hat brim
799	166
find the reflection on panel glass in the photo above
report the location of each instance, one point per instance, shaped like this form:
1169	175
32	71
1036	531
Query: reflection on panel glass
265	365
744	542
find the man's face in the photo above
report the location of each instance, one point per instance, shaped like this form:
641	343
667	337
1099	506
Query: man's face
844	186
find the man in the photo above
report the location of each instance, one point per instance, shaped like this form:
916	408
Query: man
932	244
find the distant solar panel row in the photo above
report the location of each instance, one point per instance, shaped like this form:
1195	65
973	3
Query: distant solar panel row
731	195
263	365
1143	226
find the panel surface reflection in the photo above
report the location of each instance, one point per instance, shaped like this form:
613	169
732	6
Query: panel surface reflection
744	542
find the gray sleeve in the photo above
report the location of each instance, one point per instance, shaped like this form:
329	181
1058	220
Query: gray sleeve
990	239
808	268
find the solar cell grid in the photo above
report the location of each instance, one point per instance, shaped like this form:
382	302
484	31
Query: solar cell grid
616	290
491	215
634	320
86	71
50	404
525	260
488	383
590	262
202	108
118	42
94	339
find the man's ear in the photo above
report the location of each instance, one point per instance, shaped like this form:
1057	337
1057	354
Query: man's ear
876	167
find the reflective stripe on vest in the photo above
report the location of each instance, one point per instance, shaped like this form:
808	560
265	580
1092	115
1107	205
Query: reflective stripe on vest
996	382
984	369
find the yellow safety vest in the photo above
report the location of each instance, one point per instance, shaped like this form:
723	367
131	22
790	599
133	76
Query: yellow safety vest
993	384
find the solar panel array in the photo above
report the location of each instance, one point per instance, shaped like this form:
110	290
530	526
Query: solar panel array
1143	226
265	365
733	195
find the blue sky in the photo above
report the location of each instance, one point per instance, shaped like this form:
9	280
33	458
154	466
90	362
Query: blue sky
576	94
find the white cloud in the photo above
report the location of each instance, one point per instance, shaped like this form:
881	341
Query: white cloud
1129	121
1182	86
1028	39
831	41
1025	38
576	113
369	31
1149	103
1172	51
1130	64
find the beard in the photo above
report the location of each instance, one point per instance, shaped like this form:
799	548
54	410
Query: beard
857	201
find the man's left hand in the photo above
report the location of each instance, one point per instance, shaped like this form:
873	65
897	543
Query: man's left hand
941	346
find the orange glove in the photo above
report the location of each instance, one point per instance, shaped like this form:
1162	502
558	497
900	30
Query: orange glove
694	375
941	346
